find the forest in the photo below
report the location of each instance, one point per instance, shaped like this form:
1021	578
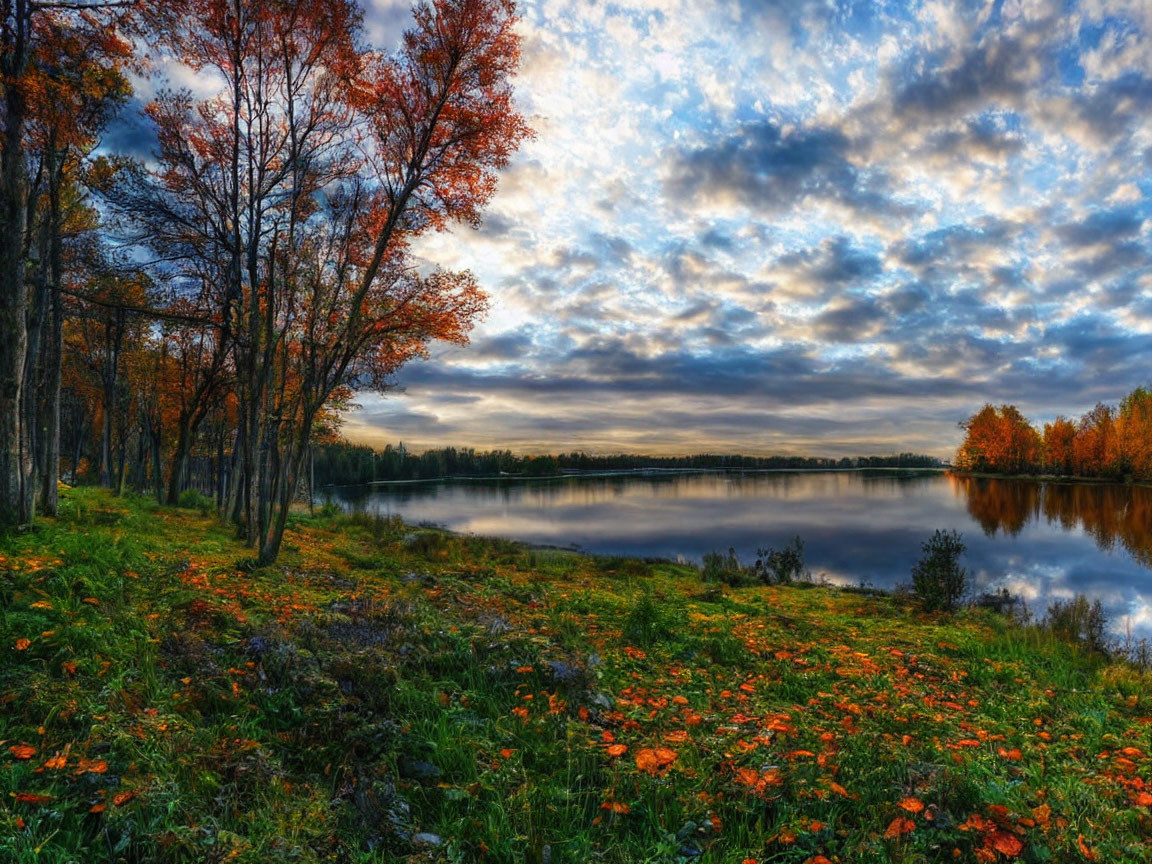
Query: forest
343	463
1107	442
195	316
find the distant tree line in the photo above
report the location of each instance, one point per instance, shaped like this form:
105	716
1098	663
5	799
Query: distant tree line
1108	441
343	463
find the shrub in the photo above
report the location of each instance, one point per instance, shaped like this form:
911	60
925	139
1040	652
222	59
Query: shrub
194	499
780	566
329	510
718	567
1004	602
937	578
1078	621
647	622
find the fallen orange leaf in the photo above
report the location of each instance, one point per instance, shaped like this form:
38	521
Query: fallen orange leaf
912	805
1004	843
653	760
32	798
899	827
1085	849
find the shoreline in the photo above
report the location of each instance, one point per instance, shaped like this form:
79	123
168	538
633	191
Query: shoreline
1069	479
632	472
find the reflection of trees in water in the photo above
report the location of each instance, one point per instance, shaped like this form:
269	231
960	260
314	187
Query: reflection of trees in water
999	505
1109	513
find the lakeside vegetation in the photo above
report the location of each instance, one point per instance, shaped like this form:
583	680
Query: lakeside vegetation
1109	442
341	463
384	693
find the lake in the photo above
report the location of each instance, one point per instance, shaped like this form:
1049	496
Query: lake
1040	540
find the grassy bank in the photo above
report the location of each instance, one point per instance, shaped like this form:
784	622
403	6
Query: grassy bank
388	694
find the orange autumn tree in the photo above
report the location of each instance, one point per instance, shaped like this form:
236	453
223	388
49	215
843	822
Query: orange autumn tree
1094	451
286	205
1134	433
440	121
1058	439
999	440
1105	442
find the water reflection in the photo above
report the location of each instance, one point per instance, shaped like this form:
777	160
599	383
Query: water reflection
1107	513
1042	540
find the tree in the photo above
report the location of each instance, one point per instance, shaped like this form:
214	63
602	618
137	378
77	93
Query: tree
1134	433
937	578
286	204
1000	441
51	59
1059	437
1094	450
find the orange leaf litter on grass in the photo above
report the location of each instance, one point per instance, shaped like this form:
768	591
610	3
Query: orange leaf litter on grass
32	798
22	751
617	749
654	760
1004	843
912	805
1086	850
22	644
899	827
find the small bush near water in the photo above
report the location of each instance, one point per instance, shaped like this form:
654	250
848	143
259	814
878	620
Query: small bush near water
772	567
780	566
938	580
1080	621
718	567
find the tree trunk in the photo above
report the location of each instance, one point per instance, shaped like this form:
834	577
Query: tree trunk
31	389
154	433
53	355
286	482
179	460
14	455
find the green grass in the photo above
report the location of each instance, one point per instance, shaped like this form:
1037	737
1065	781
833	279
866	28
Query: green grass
382	684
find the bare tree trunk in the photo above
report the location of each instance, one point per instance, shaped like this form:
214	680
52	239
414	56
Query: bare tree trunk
30	391
79	448
287	481
53	350
114	332
138	469
154	433
14	455
179	461
220	471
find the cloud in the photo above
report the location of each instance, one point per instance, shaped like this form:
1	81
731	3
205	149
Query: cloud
765	225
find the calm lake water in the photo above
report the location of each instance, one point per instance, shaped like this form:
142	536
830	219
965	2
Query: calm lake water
1039	540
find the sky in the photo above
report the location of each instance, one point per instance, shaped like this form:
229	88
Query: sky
799	226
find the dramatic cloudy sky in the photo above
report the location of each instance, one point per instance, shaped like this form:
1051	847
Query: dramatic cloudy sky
814	226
